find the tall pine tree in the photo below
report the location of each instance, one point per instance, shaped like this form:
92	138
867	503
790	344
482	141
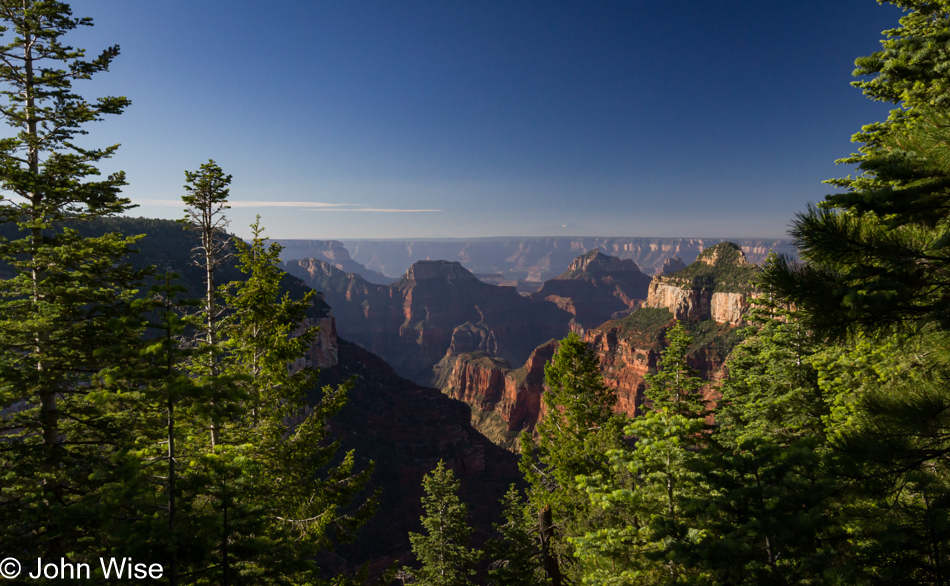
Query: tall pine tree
578	430
66	302
443	550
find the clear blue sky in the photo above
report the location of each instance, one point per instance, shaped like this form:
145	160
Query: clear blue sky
690	118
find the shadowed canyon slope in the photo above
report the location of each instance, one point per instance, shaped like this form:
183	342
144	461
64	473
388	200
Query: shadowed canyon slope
406	430
525	258
435	308
505	400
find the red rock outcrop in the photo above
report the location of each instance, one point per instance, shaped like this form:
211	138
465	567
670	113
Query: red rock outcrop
710	297
504	400
628	350
435	308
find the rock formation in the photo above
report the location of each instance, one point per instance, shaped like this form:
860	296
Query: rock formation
715	287
405	430
709	296
671	265
333	253
536	259
595	288
504	401
437	307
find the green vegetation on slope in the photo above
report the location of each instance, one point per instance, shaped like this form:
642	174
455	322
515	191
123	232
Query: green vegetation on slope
721	268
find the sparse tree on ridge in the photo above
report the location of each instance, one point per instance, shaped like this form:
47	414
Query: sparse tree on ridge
206	199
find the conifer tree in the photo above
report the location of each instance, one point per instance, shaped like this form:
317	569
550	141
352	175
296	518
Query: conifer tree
651	522
66	303
293	500
876	254
579	428
770	513
514	551
443	550
206	199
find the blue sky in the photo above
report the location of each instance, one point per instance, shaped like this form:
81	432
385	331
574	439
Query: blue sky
358	119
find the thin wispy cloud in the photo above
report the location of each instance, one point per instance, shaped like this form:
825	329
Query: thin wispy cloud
303	205
385	210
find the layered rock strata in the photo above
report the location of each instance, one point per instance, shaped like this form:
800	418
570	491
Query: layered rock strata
710	297
437	307
595	287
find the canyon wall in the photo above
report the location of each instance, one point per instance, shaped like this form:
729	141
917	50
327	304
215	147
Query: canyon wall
710	297
537	259
437	307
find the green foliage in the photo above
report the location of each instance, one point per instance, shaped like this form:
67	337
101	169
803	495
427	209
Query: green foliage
769	516
646	323
647	501
516	558
68	313
890	445
574	437
876	253
443	551
720	268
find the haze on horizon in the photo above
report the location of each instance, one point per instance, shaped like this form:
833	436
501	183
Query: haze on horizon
477	119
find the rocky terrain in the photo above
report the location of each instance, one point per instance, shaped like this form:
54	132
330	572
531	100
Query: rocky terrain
437	307
405	429
709	296
524	258
595	288
333	253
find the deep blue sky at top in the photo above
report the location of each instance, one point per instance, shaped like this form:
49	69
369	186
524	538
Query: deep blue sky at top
689	118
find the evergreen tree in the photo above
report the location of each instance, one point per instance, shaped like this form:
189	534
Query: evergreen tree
206	199
443	551
287	499
514	551
876	254
67	312
771	514
573	438
651	523
890	446
876	260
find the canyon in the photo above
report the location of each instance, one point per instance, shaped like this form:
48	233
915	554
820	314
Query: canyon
528	261
403	430
709	297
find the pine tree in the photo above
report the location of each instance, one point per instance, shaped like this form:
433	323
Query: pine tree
875	275
67	302
289	500
876	254
514	551
574	437
206	199
650	495
443	550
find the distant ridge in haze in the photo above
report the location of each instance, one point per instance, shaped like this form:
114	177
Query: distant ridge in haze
528	258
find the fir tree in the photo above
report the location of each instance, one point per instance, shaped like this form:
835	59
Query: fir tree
292	501
770	514
67	307
514	551
574	437
206	199
650	496
443	550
